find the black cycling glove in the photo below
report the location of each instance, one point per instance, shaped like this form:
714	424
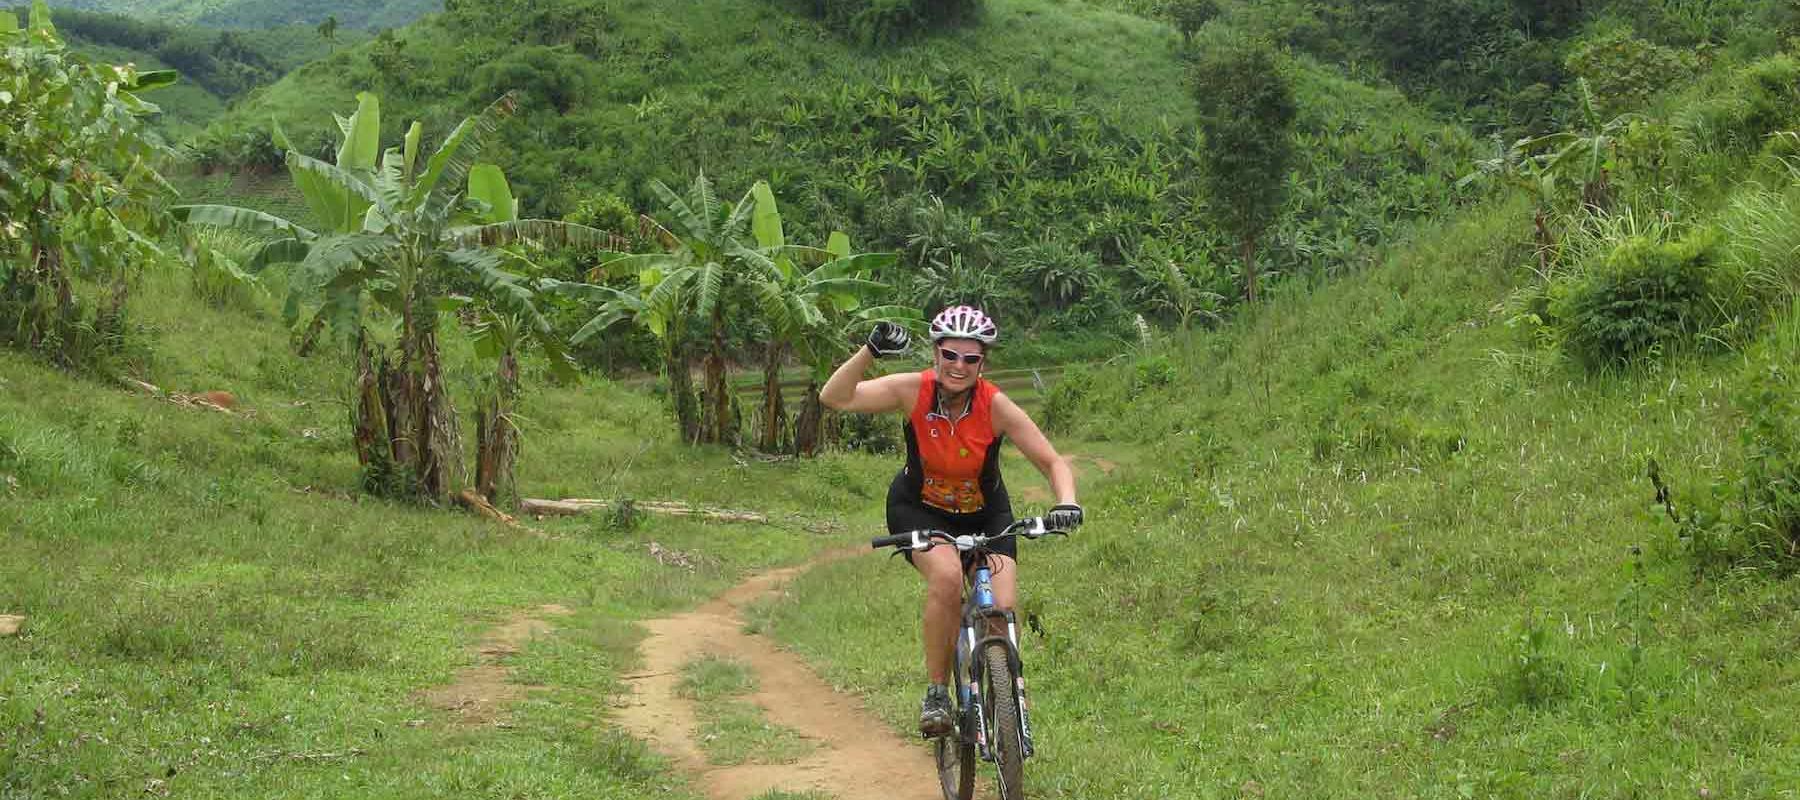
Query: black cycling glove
1063	517
888	339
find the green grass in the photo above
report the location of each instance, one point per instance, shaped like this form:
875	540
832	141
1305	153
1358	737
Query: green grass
735	732
732	731
214	612
710	677
1380	546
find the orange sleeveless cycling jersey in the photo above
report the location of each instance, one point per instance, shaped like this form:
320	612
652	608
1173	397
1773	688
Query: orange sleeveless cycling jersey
953	458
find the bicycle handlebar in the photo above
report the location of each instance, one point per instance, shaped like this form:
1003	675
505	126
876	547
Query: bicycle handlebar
922	540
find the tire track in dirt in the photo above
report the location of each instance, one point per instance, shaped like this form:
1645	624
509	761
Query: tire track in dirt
858	757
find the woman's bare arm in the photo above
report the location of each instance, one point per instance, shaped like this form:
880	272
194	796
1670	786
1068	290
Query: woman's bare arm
1013	422
847	391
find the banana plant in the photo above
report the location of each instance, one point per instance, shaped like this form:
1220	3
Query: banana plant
1584	151
805	309
701	270
398	234
508	320
661	303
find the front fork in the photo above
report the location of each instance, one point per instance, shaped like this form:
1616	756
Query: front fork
969	646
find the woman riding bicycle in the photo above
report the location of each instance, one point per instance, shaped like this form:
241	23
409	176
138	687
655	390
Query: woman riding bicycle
955	423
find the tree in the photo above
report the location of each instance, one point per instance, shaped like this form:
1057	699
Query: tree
803	308
402	238
78	189
508	320
328	31
1189	16
1582	153
702	268
1512	167
1247	112
661	303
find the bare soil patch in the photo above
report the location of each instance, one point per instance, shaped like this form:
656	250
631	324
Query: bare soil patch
480	694
858	757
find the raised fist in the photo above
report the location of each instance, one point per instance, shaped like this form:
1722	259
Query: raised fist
888	339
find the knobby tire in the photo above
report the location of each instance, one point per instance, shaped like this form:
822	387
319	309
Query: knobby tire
1003	722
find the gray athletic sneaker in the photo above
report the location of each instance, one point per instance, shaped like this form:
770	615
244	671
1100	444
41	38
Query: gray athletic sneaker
934	712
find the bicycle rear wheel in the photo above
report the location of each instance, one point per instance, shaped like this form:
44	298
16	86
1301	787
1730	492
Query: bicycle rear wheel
1002	720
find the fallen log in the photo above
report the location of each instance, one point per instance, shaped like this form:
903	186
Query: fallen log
473	501
10	624
578	506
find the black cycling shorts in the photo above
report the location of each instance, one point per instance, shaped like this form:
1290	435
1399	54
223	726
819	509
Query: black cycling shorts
907	513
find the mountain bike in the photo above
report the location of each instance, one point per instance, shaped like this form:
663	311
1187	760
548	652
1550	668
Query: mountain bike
993	721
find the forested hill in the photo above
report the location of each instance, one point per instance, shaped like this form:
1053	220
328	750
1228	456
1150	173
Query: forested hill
264	13
1050	147
216	65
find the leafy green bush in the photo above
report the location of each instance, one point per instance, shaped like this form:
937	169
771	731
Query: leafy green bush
1537	674
1627	72
1151	372
1770	403
1646	297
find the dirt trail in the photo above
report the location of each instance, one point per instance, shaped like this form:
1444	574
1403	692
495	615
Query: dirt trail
858	758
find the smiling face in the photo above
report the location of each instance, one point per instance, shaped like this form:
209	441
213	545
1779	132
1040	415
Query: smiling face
955	373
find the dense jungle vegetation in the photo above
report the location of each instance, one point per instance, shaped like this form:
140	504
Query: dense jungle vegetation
1430	365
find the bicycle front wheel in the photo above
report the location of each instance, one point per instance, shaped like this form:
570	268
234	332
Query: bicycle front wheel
1002	715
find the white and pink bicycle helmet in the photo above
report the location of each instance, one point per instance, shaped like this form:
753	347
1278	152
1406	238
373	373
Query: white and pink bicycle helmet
963	322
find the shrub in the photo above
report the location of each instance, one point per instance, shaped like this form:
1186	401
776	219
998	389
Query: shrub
1152	372
1627	72
1645	298
1189	16
1770	402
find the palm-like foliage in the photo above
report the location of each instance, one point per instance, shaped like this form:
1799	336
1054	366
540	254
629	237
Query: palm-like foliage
702	272
804	308
402	235
1583	152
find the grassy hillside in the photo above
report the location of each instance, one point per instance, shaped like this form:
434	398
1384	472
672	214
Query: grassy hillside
213	612
1058	137
1376	544
264	13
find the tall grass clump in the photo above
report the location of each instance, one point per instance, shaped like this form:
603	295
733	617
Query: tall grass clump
1747	518
217	256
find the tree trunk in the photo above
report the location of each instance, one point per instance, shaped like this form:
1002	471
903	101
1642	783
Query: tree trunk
774	411
496	445
718	392
681	395
403	400
370	414
441	467
1250	268
310	338
809	426
424	430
